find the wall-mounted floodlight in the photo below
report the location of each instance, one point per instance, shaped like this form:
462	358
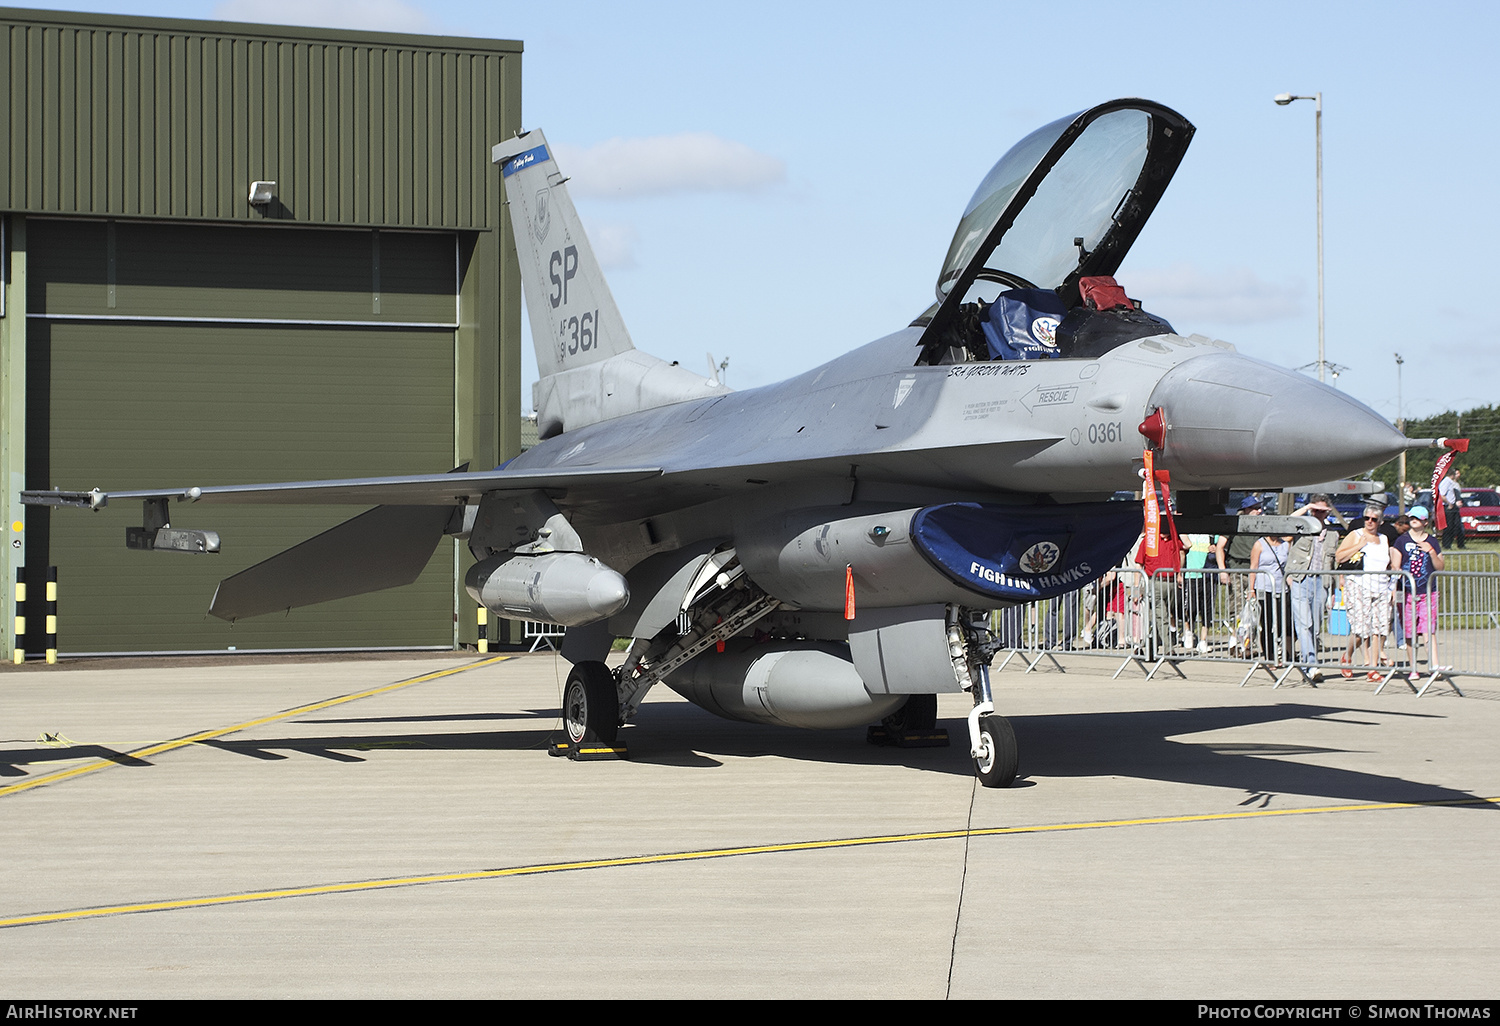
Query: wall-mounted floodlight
262	193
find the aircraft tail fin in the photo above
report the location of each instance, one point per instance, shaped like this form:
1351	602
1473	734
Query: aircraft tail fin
589	368
574	320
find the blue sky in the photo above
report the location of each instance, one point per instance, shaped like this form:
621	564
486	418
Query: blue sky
821	154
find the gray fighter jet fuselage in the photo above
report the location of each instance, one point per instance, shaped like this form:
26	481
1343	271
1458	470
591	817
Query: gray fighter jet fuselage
890	432
825	551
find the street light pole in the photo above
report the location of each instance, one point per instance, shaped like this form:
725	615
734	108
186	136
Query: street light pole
1282	99
1400	426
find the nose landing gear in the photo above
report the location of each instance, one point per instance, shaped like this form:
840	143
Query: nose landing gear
997	758
992	743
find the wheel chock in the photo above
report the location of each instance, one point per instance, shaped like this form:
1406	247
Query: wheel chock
937	737
589	751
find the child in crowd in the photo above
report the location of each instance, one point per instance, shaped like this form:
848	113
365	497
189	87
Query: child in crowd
1419	555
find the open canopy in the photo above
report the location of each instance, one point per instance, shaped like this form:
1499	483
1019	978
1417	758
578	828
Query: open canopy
1065	202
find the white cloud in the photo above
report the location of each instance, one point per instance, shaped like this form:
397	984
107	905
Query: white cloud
613	242
1233	296
379	15
662	164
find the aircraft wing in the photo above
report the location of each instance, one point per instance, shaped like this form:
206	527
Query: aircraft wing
404	490
601	486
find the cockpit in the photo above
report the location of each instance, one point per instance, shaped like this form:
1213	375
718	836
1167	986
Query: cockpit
1029	272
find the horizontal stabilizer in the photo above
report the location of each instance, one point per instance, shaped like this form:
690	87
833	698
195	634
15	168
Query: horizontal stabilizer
384	548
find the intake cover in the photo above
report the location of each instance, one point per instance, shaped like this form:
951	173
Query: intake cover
1020	553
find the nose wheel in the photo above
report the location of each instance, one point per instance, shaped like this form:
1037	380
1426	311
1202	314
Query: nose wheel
591	704
998	757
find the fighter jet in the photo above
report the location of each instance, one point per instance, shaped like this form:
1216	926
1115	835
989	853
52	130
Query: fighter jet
826	552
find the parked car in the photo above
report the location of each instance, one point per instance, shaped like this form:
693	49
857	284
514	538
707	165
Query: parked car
1481	512
1351	506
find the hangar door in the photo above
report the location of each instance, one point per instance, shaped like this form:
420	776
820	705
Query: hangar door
163	355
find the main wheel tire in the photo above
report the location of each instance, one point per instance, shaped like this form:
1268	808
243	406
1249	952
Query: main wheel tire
591	705
997	765
919	713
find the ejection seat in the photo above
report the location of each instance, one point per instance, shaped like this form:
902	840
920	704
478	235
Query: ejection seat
1021	324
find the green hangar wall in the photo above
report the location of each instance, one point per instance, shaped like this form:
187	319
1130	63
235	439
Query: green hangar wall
158	329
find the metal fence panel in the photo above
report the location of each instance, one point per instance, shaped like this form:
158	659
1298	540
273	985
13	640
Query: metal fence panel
1486	562
540	634
1356	624
1468	621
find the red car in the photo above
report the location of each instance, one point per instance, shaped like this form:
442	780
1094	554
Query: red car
1481	512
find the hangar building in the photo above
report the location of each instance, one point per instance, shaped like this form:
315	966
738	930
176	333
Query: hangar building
159	326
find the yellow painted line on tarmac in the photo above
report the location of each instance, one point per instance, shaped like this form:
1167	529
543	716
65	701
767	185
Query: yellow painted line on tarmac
209	735
692	856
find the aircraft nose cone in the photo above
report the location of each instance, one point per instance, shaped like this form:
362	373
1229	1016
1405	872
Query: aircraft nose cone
1237	422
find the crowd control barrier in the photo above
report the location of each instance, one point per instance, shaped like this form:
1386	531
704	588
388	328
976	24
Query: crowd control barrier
1107	617
1468	621
1486	561
1318	626
540	634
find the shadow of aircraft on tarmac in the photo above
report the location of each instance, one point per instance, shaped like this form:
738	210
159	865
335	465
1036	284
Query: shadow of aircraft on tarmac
1149	745
12	761
1145	744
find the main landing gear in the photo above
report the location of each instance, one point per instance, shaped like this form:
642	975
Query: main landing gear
591	714
914	725
598	700
591	711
